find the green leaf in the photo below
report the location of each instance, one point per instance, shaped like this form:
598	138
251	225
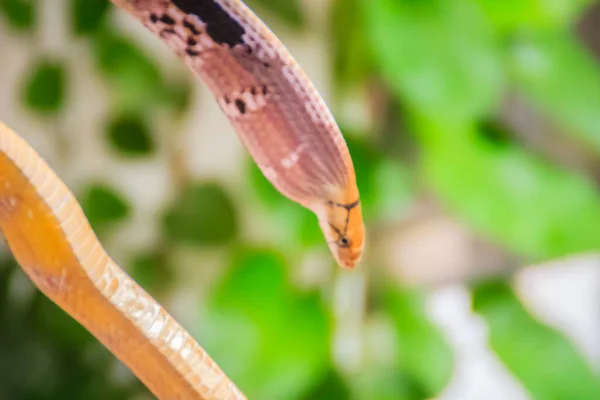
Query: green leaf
331	387
203	214
151	271
103	205
511	15
352	58
562	78
135	79
425	357
541	358
534	208
20	14
130	135
45	87
439	64
385	383
87	16
289	11
270	338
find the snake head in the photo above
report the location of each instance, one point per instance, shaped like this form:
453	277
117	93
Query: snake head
343	227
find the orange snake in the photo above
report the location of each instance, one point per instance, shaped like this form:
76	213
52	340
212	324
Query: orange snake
284	124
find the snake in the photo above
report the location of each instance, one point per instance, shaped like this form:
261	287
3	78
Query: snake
282	121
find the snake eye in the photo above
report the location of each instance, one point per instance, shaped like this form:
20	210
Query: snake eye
344	242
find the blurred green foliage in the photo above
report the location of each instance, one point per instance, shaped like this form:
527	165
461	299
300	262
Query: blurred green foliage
247	325
424	356
289	11
130	135
103	205
87	16
443	68
45	354
536	209
544	361
203	214
44	90
20	14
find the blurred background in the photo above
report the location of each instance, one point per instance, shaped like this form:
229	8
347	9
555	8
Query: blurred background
474	126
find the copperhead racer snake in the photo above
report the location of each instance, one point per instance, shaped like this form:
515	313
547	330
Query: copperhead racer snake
284	124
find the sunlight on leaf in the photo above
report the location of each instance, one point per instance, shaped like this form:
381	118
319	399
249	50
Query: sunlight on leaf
439	56
560	76
535	208
512	15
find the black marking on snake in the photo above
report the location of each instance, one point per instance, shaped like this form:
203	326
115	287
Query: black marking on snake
191	41
167	20
192	28
347	206
169	31
342	240
240	105
192	53
220	26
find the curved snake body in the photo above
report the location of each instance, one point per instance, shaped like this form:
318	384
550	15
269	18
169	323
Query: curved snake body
276	111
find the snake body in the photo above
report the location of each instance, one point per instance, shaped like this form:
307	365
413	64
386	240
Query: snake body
284	124
53	242
276	111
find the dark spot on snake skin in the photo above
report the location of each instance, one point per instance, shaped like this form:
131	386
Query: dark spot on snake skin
253	90
247	50
154	18
192	52
167	20
265	89
220	26
191	41
240	105
169	31
191	27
